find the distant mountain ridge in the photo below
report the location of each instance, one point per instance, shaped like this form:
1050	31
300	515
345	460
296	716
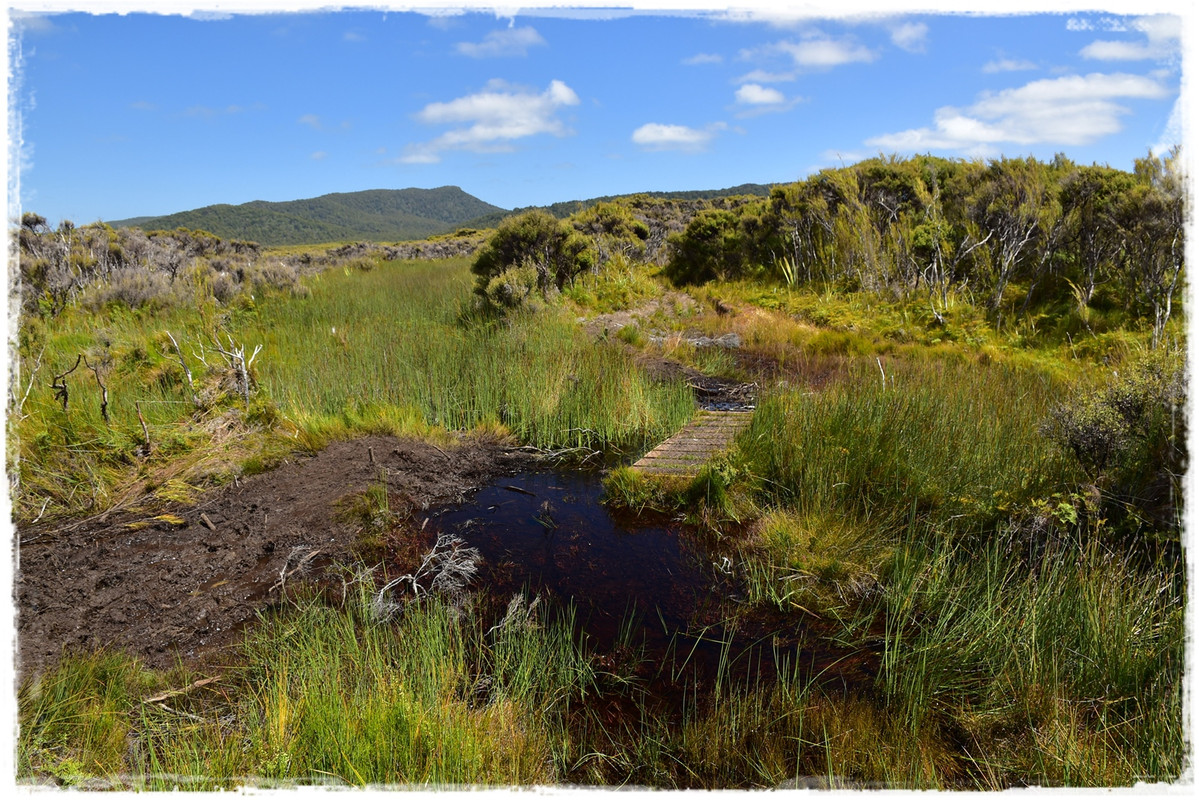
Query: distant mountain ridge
372	215
565	208
375	215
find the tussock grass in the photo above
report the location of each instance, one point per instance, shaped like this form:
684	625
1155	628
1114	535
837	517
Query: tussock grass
393	350
951	444
1067	671
389	345
328	696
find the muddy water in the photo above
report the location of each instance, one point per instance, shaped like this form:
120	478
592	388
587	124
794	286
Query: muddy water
632	584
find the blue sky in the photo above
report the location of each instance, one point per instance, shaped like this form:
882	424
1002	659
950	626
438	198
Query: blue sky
141	114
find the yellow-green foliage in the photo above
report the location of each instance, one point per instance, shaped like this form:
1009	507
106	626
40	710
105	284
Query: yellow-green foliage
396	338
392	350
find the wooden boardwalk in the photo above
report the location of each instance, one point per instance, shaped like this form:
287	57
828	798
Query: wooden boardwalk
683	454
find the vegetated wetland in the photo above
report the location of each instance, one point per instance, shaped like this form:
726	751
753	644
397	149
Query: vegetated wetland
335	515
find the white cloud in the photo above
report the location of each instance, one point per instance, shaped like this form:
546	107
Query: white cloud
703	58
1069	111
656	136
27	22
762	76
319	155
1008	65
756	99
816	51
494	118
910	36
1172	134
1162	34
311	120
756	95
506	42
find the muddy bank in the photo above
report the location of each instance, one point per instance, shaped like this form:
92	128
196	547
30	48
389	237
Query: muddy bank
177	587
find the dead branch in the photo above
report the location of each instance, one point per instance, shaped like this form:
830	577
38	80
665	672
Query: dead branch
36	366
301	564
145	430
103	389
191	384
447	569
176	692
235	356
59	384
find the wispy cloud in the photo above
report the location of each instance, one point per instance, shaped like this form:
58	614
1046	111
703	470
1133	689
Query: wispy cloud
816	50
506	42
762	76
319	155
910	36
1172	134
657	136
700	59
1008	65
311	120
28	22
843	157
208	112
492	118
1074	110
1162	36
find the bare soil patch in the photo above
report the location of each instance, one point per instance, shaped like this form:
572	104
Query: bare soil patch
178	583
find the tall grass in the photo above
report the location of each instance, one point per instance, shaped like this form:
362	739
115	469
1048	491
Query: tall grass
929	514
324	695
393	338
956	445
1063	671
393	349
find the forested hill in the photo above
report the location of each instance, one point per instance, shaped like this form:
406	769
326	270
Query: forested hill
373	215
565	208
376	215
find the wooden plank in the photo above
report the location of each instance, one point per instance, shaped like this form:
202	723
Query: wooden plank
685	453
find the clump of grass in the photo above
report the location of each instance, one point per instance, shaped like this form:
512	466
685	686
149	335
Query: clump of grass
632	336
394	335
1068	673
77	719
940	440
325	695
816	563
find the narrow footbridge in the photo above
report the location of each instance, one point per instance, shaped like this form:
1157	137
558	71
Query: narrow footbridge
683	454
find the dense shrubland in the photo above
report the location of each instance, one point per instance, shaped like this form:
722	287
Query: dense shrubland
1012	235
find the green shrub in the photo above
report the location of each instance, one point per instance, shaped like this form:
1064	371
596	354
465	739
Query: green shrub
550	249
1130	438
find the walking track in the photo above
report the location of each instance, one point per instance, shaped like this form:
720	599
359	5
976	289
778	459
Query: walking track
683	454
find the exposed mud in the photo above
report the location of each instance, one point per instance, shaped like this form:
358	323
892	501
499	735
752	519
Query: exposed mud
171	590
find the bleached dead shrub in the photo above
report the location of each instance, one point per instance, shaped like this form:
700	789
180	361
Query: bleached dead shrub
272	275
445	571
132	287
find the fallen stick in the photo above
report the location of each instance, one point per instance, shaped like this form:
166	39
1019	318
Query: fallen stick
176	692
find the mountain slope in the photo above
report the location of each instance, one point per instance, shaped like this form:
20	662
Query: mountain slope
372	215
564	209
